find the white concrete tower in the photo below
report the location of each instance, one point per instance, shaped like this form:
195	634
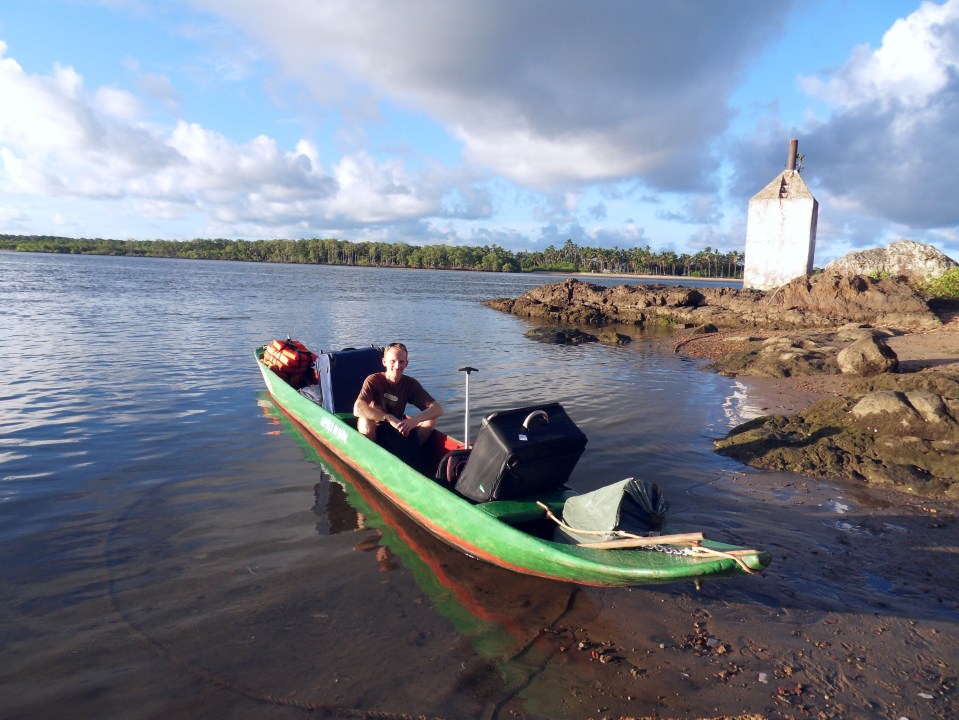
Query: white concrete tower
781	229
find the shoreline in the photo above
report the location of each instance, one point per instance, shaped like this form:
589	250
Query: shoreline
545	273
560	273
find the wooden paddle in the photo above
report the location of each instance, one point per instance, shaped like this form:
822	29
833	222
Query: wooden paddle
639	541
629	540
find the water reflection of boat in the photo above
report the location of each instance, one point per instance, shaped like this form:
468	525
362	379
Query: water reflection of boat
500	612
511	533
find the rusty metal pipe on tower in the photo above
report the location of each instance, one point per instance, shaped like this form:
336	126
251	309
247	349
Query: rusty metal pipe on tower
793	154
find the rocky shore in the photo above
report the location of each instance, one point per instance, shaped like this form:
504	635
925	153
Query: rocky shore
857	376
868	370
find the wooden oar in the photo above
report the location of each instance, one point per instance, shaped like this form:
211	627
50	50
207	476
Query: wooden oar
640	541
629	540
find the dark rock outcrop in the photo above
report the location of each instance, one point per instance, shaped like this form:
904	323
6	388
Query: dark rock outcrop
825	300
556	335
610	337
559	335
897	431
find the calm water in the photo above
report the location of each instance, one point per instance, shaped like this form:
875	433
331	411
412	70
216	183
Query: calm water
171	547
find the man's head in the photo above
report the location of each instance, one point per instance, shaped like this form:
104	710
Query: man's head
395	360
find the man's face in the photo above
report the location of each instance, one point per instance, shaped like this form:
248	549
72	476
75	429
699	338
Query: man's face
395	362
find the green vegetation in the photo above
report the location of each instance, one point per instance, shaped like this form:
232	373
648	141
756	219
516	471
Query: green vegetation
944	287
570	258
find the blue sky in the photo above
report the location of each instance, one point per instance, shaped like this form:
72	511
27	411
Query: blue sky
515	122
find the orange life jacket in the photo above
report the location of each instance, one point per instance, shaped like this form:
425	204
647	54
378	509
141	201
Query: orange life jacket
292	361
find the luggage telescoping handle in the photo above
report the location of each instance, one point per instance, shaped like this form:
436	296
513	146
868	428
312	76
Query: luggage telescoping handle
466	421
533	415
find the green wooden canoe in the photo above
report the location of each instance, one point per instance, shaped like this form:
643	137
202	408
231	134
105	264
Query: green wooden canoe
513	534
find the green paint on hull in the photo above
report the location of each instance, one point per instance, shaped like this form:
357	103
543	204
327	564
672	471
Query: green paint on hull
467	527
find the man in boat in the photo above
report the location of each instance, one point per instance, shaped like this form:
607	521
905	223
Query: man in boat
384	397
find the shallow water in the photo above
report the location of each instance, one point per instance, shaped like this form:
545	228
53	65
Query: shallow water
172	546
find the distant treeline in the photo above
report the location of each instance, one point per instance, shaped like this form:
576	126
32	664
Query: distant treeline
329	251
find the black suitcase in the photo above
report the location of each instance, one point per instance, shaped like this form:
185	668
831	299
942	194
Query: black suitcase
341	374
520	453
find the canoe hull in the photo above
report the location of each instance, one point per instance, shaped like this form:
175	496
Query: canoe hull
468	528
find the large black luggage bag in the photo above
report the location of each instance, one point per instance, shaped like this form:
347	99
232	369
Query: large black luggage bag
341	375
521	452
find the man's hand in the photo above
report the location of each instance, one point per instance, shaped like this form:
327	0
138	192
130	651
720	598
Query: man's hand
405	426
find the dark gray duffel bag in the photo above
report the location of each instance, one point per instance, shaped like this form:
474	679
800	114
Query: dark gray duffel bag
521	452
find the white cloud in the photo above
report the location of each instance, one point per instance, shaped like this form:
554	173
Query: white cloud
531	159
59	139
541	92
160	88
373	193
32	116
116	103
10	215
892	145
918	58
55	139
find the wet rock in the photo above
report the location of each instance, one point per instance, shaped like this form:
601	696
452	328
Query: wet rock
614	338
897	431
870	355
560	335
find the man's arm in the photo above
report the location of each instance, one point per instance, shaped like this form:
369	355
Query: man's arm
432	411
369	411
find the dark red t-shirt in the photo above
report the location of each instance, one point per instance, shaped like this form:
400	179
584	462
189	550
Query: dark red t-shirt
392	397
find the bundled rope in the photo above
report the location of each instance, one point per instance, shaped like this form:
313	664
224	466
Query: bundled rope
690	542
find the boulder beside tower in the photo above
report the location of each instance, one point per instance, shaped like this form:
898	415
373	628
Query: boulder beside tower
780	229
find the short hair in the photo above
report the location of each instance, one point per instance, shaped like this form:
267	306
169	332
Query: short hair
397	345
